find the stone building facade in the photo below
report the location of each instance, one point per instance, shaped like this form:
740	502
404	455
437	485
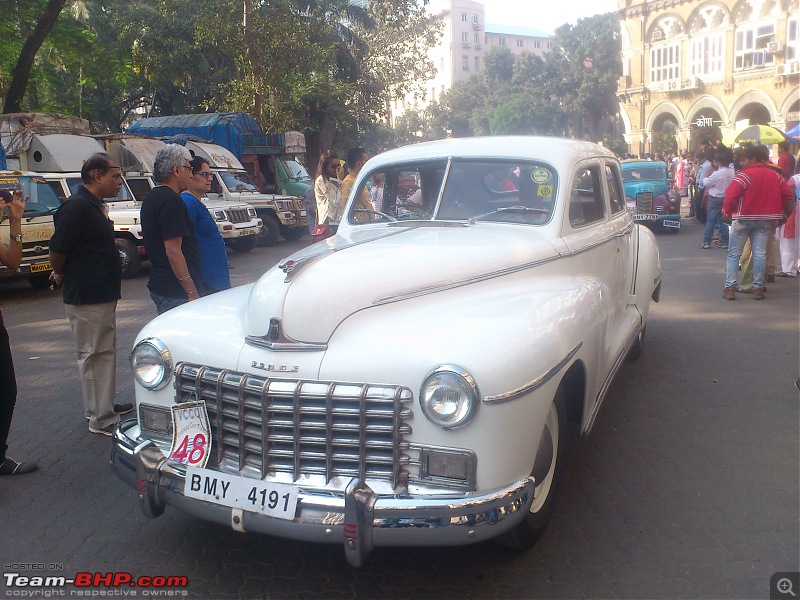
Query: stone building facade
709	67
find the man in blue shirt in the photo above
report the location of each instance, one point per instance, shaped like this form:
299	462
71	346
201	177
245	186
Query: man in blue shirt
213	258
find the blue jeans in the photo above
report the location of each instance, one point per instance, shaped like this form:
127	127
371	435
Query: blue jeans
163	304
758	231
714	219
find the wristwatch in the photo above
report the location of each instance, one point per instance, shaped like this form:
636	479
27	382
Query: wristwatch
17	237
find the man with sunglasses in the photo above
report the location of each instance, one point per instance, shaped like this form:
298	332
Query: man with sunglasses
213	257
175	264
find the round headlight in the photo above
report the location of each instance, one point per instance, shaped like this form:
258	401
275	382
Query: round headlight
151	363
449	397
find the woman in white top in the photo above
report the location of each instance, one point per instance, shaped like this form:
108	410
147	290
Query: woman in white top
327	190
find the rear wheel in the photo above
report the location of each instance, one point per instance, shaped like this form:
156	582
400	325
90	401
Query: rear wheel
270	231
128	257
546	471
243	244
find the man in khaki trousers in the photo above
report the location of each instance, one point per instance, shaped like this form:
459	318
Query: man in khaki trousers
85	261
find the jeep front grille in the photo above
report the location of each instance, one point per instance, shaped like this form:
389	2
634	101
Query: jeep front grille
237	215
302	427
644	203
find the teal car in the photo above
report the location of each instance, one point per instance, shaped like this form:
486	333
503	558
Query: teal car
648	195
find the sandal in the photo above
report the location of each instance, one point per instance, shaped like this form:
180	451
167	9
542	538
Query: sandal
12	467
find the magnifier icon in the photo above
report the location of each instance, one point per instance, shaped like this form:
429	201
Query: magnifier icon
784	586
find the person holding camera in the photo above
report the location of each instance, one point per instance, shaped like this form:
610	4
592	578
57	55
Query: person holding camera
10	256
86	262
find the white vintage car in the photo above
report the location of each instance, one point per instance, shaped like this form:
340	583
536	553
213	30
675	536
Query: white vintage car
408	381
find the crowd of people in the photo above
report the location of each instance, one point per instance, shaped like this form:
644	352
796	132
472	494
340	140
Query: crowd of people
751	201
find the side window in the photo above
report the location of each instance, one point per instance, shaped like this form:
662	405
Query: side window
586	198
139	188
57	190
615	194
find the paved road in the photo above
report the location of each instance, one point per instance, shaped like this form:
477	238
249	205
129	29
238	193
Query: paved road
687	487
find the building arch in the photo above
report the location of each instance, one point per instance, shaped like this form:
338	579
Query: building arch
659	112
708	16
790	106
707	102
752	97
748	11
666	27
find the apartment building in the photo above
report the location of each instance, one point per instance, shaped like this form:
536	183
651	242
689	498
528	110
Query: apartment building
708	67
460	54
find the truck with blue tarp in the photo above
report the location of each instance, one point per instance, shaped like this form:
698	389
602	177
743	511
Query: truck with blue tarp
273	163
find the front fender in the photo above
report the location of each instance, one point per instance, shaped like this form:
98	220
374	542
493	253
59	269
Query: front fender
505	332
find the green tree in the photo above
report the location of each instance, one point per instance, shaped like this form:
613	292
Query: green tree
34	38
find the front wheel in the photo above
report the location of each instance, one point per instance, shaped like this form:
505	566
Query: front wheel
243	244
40	281
293	234
546	472
270	231
128	257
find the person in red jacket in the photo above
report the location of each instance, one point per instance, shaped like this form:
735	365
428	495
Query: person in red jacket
756	197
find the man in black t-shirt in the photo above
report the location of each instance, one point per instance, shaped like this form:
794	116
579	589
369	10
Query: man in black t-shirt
85	261
175	269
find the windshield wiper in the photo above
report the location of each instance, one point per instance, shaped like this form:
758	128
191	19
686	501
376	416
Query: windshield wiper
49	211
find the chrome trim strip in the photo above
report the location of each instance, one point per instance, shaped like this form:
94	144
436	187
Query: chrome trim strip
285	345
533	385
416	292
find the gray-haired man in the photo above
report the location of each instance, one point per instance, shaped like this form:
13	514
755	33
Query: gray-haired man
175	273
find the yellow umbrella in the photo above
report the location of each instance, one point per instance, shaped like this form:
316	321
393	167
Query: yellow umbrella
760	135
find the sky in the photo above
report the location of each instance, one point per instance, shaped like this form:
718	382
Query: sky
544	15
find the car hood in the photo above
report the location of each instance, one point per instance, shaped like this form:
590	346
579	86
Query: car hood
331	280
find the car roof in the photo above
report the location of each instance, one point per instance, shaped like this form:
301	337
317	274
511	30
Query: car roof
556	151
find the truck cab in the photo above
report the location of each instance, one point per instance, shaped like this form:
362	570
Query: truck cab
279	213
236	222
37	228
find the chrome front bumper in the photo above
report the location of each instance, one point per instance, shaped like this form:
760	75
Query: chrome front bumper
360	519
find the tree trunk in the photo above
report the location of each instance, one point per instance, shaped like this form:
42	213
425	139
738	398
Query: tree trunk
22	70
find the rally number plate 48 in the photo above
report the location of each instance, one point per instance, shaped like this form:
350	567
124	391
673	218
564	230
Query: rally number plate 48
272	499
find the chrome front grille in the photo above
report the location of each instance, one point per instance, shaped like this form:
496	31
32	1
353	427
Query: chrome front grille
302	427
237	215
644	203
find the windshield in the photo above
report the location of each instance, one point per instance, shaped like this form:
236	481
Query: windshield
237	181
296	170
124	194
646	173
41	198
511	191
